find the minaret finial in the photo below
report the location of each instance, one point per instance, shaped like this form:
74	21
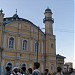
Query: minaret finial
16	11
47	7
1	10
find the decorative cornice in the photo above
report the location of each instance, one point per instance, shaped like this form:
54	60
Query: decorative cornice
20	34
20	58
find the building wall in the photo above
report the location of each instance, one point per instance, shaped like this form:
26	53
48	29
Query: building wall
21	30
67	66
60	63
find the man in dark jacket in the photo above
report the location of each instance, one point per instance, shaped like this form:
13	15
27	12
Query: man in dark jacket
36	71
46	72
71	71
24	70
8	70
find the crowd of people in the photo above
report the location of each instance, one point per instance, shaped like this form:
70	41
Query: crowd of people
22	70
35	71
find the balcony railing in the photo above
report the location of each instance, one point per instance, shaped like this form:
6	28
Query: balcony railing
48	19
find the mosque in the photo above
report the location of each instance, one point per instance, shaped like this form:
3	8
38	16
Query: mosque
22	42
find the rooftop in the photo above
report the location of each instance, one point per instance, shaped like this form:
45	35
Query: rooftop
59	56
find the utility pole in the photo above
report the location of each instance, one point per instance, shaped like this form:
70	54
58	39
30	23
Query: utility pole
45	49
38	44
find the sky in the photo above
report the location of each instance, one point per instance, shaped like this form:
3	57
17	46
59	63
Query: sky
63	14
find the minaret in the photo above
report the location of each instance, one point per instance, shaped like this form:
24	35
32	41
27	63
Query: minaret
50	41
48	20
1	17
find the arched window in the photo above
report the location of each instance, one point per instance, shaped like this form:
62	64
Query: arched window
51	67
9	65
51	45
11	42
24	45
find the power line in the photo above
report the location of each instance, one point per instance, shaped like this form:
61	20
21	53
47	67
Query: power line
67	31
62	30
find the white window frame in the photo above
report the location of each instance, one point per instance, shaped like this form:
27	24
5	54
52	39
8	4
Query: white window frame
14	42
27	44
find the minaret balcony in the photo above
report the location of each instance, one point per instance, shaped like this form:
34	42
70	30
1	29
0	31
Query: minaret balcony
48	19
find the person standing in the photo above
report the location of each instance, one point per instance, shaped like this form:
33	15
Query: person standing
30	71
16	71
46	72
71	71
23	68
59	71
8	70
36	69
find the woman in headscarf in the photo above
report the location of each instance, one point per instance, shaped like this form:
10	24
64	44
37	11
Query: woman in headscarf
16	71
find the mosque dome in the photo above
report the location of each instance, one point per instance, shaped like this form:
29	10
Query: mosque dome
48	10
15	16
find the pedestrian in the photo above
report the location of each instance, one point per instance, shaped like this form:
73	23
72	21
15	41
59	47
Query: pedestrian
24	70
16	71
36	69
46	72
8	70
59	71
42	74
30	71
71	71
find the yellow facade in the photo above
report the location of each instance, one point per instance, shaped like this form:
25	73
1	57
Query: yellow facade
25	35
